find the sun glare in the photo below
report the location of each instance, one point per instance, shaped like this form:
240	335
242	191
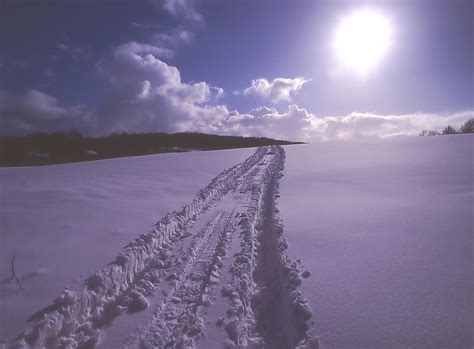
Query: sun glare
362	39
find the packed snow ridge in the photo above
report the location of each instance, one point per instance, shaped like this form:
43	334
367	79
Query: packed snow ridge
214	274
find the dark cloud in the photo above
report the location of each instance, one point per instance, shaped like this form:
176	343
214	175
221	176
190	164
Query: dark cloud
36	111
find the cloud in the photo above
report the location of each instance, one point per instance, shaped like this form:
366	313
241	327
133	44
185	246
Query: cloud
75	52
148	95
36	111
182	9
276	90
179	28
133	61
371	125
268	122
219	92
164	37
173	37
263	111
297	123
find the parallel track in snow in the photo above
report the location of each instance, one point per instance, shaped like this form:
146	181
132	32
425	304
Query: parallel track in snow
211	275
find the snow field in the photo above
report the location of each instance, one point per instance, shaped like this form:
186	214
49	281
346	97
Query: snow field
64	221
178	268
385	227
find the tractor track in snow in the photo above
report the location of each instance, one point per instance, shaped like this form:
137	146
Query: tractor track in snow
213	274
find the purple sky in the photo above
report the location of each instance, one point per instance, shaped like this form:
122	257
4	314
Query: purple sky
227	67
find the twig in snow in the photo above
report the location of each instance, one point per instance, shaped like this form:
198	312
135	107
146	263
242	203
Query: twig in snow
14	276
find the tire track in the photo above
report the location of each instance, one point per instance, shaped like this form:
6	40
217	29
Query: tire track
177	321
204	285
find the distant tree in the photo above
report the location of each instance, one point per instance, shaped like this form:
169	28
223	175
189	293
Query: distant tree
449	130
429	133
69	146
468	127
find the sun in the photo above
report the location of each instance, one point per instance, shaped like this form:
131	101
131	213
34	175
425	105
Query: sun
362	39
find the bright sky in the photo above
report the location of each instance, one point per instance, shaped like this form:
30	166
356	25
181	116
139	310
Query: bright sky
310	70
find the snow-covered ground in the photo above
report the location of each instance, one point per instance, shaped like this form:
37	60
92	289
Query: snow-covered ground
211	273
379	232
66	220
386	230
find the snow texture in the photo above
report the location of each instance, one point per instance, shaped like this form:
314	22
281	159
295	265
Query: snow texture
377	239
64	221
386	230
177	266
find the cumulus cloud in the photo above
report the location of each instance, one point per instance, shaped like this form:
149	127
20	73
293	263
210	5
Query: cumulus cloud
148	95
268	122
299	124
276	90
262	111
371	125
36	111
135	61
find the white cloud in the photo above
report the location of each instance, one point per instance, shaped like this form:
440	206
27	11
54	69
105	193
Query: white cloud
276	90
262	111
182	9
173	37
148	95
219	92
299	124
133	61
268	122
371	125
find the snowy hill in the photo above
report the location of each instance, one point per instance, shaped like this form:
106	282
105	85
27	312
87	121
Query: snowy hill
386	230
65	221
363	244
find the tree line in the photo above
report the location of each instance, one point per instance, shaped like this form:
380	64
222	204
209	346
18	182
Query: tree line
468	127
71	146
